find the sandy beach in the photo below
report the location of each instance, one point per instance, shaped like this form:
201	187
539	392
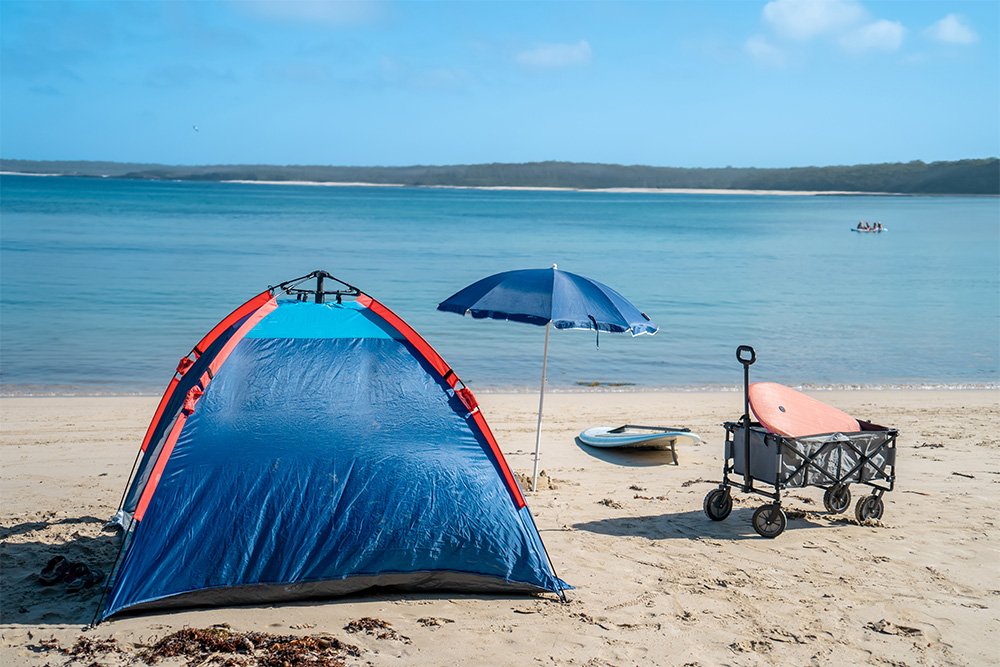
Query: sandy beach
656	582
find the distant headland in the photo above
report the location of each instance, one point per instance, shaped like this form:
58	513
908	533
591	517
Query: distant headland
962	177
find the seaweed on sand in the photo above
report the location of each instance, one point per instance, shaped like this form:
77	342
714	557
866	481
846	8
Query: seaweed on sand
377	628
222	646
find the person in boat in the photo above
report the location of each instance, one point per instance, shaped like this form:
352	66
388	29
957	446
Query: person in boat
861	224
878	226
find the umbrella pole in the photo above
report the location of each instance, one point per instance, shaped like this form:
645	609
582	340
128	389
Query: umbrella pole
541	400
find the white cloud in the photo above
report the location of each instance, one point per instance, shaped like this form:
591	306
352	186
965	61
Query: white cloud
878	36
763	51
555	56
952	29
804	19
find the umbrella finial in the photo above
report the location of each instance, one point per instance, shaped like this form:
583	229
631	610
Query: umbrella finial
554	266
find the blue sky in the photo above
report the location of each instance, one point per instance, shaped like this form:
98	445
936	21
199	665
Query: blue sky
687	84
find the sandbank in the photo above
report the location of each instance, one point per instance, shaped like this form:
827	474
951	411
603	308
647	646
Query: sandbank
687	191
657	583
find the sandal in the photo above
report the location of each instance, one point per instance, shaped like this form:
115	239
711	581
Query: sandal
80	576
54	571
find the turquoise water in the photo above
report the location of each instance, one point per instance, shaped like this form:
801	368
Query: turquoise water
105	284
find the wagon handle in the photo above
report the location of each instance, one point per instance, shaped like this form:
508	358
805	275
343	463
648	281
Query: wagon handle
747	362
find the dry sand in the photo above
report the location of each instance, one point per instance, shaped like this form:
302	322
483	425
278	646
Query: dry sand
657	583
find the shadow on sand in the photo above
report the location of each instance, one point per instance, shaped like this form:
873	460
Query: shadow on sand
687	526
25	548
631	458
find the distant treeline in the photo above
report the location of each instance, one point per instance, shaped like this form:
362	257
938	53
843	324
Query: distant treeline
963	177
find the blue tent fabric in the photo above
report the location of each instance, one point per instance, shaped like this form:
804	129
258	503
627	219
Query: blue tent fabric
323	458
148	458
539	296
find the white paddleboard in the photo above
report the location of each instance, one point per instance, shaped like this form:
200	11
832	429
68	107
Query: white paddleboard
637	437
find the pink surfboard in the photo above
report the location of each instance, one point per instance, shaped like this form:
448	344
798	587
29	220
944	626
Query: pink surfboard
784	411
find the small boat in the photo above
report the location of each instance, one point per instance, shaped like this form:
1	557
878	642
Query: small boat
868	231
631	436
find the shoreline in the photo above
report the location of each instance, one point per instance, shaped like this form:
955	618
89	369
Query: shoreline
34	391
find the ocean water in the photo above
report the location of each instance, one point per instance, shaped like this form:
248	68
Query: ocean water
105	284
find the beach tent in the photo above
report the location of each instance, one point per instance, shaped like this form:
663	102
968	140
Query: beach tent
313	445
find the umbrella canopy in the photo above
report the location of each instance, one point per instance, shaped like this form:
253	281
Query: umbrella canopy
543	296
549	297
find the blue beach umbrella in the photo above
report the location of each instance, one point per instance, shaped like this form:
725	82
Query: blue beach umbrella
549	297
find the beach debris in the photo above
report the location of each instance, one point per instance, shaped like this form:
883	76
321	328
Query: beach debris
933	445
84	648
377	628
636	487
962	474
432	622
890	628
222	645
218	645
641	497
608	502
693	481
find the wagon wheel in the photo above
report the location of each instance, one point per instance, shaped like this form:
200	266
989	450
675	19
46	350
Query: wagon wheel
869	507
718	504
837	498
769	520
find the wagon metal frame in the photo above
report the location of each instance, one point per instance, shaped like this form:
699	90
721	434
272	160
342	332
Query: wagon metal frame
832	461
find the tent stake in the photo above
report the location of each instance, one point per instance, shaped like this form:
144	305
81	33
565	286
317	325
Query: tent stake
541	400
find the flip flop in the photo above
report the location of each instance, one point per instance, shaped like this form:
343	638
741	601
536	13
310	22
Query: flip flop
55	570
80	576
